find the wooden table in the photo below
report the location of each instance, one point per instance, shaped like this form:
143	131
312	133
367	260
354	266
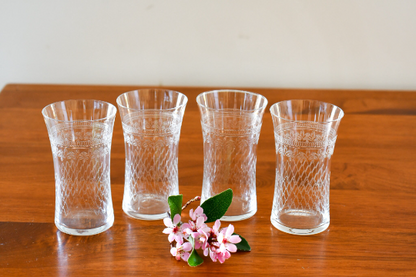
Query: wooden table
373	194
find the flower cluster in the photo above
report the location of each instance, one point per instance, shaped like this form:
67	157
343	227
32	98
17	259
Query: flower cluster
218	244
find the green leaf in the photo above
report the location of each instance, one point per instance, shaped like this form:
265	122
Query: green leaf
243	244
194	259
175	205
216	206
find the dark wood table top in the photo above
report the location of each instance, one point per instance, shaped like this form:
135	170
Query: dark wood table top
373	194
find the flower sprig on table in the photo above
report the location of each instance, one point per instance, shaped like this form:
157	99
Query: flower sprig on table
186	238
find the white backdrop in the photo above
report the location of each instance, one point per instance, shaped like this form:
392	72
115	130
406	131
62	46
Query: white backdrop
241	43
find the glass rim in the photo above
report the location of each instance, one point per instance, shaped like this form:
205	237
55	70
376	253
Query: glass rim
155	90
232	90
341	115
112	114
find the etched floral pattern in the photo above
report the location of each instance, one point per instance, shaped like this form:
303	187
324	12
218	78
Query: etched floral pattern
233	125
305	140
152	123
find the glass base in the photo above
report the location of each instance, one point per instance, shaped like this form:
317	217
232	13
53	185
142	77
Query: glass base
238	217
297	231
147	207
84	232
137	215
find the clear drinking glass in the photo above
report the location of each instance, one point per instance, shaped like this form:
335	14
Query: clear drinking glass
305	133
231	121
80	133
152	120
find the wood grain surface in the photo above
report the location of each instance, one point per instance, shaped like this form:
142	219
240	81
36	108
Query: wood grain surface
373	194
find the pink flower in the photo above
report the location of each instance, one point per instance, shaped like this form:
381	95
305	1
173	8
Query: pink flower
174	231
201	241
215	229
196	223
199	212
193	228
181	250
227	240
220	249
221	257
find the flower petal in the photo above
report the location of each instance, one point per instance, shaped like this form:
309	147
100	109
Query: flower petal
197	244
200	222
216	244
185	226
167	231
213	255
176	219
185	256
206	229
222	248
191	214
231	247
167	221
230	231
221	257
187	246
173	251
199	211
188	231
220	238
234	239
178	239
216	226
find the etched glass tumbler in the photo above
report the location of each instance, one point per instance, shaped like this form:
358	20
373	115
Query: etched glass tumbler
152	120
231	121
305	132
80	133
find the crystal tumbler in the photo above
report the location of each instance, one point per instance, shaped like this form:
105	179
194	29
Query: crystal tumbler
80	133
231	121
305	132
151	120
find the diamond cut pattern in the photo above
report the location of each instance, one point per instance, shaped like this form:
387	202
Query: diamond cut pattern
230	162
302	184
151	142
151	167
82	170
303	169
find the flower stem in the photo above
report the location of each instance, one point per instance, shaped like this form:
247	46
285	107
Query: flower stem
190	201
